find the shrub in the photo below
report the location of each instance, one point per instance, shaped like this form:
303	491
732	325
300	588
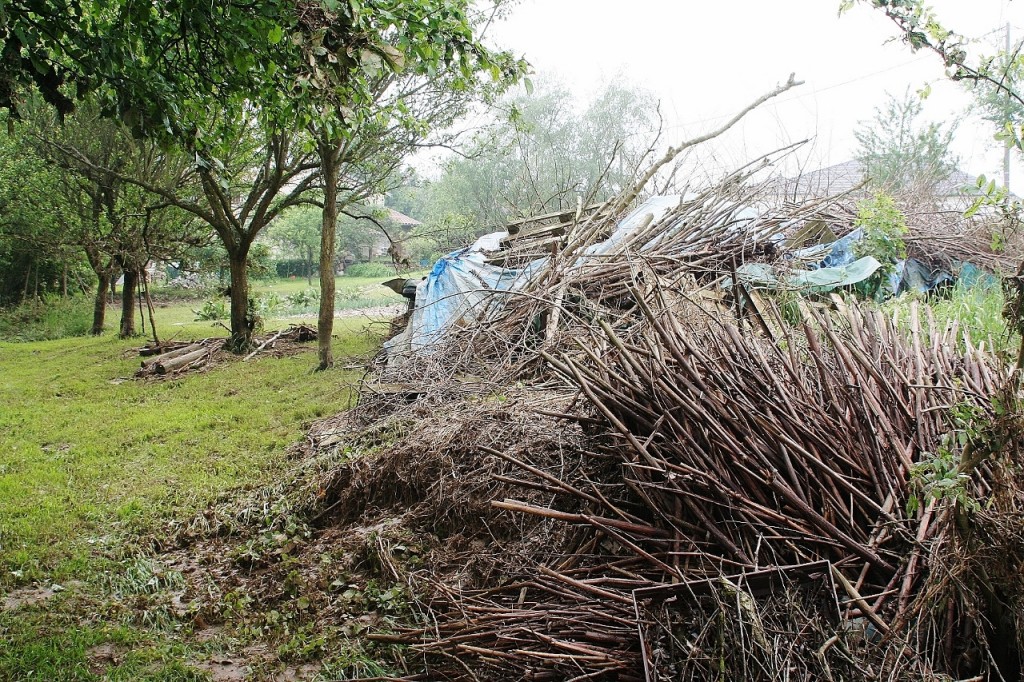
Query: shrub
52	317
378	269
884	229
306	298
213	309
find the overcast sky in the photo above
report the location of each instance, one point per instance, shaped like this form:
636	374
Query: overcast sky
706	60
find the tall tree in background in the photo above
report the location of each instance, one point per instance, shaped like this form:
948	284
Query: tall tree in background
119	226
376	81
544	156
297	233
34	257
900	153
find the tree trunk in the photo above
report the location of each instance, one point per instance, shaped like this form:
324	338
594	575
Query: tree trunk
309	266
325	325
131	281
99	310
241	321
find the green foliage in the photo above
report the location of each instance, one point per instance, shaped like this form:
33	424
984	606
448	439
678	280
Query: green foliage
51	317
371	269
297	234
543	156
213	309
899	154
939	476
267	304
884	228
306	298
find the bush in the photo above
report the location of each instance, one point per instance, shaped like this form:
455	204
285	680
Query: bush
307	298
378	269
266	305
213	309
51	317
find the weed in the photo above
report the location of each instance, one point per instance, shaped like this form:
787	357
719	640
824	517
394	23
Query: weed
213	309
975	309
45	319
939	475
355	662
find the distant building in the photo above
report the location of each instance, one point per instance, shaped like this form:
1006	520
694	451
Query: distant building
848	178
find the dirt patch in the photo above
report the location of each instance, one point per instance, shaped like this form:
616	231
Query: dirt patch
29	596
103	657
225	668
301	673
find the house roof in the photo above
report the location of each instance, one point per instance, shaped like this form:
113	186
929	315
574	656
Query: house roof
846	176
401	219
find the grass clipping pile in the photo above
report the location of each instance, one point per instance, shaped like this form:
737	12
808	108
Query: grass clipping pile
659	481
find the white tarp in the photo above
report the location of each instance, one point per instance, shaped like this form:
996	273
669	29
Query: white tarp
459	289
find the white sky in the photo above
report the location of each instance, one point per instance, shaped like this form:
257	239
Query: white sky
707	60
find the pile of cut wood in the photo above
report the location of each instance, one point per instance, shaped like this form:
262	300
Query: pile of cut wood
173	358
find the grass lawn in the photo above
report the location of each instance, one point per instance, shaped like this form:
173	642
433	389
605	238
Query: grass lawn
92	463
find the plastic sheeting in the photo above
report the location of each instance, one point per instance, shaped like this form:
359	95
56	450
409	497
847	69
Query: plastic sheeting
462	287
459	288
762	275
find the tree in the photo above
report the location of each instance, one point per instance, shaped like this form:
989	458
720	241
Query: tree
899	154
418	66
209	77
119	226
161	67
297	233
34	259
543	157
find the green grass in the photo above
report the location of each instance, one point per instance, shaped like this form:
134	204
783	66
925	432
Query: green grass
83	453
94	466
976	309
53	318
350	293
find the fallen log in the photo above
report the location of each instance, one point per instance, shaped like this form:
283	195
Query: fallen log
178	352
166	366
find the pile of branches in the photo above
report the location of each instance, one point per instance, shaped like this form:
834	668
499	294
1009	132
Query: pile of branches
739	451
171	358
857	470
752	490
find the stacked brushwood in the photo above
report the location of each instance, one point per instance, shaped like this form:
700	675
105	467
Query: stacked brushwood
743	448
754	489
818	448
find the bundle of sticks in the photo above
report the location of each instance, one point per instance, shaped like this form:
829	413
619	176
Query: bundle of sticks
743	447
813	441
